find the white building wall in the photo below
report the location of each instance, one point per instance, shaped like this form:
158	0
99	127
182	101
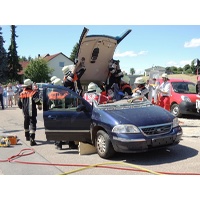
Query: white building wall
54	64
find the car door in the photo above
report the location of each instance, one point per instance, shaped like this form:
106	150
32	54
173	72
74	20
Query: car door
62	120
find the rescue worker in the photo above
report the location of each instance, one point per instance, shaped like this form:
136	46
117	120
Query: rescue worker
164	92
140	89
94	93
57	99
72	76
125	86
29	101
115	74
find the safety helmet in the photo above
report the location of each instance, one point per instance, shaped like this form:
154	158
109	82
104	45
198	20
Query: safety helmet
27	82
53	78
164	75
92	86
98	90
57	81
66	69
125	79
139	80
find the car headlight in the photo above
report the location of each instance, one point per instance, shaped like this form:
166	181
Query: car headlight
125	128
175	122
184	98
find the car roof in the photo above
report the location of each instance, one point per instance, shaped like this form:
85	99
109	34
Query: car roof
176	80
97	50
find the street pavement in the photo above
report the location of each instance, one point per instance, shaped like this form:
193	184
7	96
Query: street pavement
44	159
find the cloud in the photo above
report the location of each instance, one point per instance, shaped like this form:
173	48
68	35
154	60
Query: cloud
181	63
129	53
195	42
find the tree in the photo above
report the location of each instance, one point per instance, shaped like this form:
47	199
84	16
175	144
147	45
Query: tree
13	60
74	52
132	71
186	67
38	71
3	60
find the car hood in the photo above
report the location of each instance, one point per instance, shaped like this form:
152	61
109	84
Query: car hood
97	50
143	116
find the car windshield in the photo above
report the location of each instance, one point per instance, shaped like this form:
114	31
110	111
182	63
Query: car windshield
126	103
184	87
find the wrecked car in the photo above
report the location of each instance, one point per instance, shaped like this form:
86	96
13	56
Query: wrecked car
128	125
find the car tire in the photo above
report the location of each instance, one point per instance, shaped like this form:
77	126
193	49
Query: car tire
103	145
175	110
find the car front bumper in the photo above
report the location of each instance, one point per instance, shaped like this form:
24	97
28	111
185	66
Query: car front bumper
188	108
146	144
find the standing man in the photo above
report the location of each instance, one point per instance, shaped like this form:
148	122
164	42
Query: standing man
1	96
165	93
28	100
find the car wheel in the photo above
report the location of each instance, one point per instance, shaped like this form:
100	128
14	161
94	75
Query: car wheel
175	110
103	145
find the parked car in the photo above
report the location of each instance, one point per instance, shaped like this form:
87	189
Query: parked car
40	88
127	125
183	97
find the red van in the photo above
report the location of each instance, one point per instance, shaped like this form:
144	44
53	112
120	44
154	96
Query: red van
183	97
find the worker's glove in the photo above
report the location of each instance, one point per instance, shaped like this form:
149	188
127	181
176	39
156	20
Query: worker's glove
39	107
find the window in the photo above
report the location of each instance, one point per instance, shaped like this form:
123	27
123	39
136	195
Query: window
62	99
61	64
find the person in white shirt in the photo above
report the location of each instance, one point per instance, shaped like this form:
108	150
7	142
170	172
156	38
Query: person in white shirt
5	97
165	93
10	93
153	93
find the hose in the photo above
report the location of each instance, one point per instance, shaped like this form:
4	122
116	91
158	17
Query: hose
29	151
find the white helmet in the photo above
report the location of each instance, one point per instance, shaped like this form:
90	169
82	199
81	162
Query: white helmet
164	75
53	78
66	69
139	80
98	90
125	79
27	82
92	86
57	81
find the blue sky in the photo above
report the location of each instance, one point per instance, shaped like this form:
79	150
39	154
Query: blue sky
144	47
164	33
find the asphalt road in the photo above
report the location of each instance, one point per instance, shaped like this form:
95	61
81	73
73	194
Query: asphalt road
44	159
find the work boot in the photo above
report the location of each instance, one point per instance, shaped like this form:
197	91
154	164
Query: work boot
32	142
59	145
72	145
32	139
27	135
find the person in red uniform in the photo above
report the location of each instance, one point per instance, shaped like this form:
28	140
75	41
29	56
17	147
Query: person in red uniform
125	86
72	76
94	93
29	101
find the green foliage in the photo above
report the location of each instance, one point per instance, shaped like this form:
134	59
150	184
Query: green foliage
132	71
3	60
13	60
38	71
74	52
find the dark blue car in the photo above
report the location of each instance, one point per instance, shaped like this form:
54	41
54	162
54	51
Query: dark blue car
129	125
124	126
